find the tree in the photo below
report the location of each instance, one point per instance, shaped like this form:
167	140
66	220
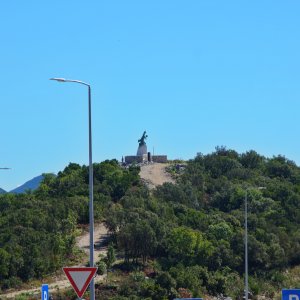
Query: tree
137	239
187	245
4	263
110	256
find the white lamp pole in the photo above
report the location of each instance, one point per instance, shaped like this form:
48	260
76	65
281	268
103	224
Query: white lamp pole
91	194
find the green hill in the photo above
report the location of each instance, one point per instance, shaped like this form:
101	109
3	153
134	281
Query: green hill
194	229
178	240
29	185
38	229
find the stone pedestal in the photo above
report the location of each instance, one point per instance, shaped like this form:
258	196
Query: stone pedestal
143	156
142	150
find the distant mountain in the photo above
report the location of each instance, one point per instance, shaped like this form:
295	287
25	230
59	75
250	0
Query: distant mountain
29	185
2	191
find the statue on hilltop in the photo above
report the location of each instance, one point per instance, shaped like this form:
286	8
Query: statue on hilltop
142	139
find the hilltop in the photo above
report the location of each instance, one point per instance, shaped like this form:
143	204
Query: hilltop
29	185
182	238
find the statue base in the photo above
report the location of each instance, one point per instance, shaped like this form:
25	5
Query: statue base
142	150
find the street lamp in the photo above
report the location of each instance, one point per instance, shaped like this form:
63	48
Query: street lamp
246	240
91	196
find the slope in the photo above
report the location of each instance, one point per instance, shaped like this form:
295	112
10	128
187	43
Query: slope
60	282
28	185
155	174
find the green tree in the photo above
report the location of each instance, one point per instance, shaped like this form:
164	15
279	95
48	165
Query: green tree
111	256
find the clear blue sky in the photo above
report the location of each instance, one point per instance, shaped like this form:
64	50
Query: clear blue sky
195	74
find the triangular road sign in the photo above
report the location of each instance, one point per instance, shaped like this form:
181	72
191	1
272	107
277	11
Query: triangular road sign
80	278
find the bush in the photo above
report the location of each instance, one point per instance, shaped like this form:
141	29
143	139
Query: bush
101	267
13	282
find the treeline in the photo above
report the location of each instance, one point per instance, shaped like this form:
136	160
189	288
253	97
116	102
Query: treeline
38	229
194	229
180	240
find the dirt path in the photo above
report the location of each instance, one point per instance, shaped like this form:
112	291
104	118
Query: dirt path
155	174
83	242
60	282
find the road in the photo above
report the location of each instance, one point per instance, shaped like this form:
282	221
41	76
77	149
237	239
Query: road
60	282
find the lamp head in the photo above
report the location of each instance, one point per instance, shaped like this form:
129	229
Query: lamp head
59	79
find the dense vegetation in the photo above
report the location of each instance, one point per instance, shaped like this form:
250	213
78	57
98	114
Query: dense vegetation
38	230
195	229
183	239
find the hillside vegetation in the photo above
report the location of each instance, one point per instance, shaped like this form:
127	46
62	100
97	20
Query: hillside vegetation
183	239
38	229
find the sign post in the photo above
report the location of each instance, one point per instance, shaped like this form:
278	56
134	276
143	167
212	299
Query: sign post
45	292
80	278
293	294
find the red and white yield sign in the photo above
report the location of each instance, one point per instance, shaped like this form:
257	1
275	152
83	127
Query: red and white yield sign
80	278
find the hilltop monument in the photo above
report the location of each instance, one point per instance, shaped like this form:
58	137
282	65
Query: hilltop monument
142	155
142	149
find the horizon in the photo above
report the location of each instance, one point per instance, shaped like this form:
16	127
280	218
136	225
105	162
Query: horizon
193	75
119	160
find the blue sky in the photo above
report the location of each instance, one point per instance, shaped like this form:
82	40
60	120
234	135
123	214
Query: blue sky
195	74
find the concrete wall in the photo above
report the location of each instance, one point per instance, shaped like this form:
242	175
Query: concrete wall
159	158
144	158
135	159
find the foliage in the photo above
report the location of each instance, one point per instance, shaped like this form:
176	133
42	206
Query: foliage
195	228
102	269
38	230
111	256
190	233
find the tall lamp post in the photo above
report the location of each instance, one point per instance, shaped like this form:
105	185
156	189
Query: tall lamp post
246	240
91	195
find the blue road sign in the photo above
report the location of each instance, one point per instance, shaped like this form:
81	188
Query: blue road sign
291	294
45	292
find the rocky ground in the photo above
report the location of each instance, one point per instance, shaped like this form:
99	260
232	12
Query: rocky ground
154	174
